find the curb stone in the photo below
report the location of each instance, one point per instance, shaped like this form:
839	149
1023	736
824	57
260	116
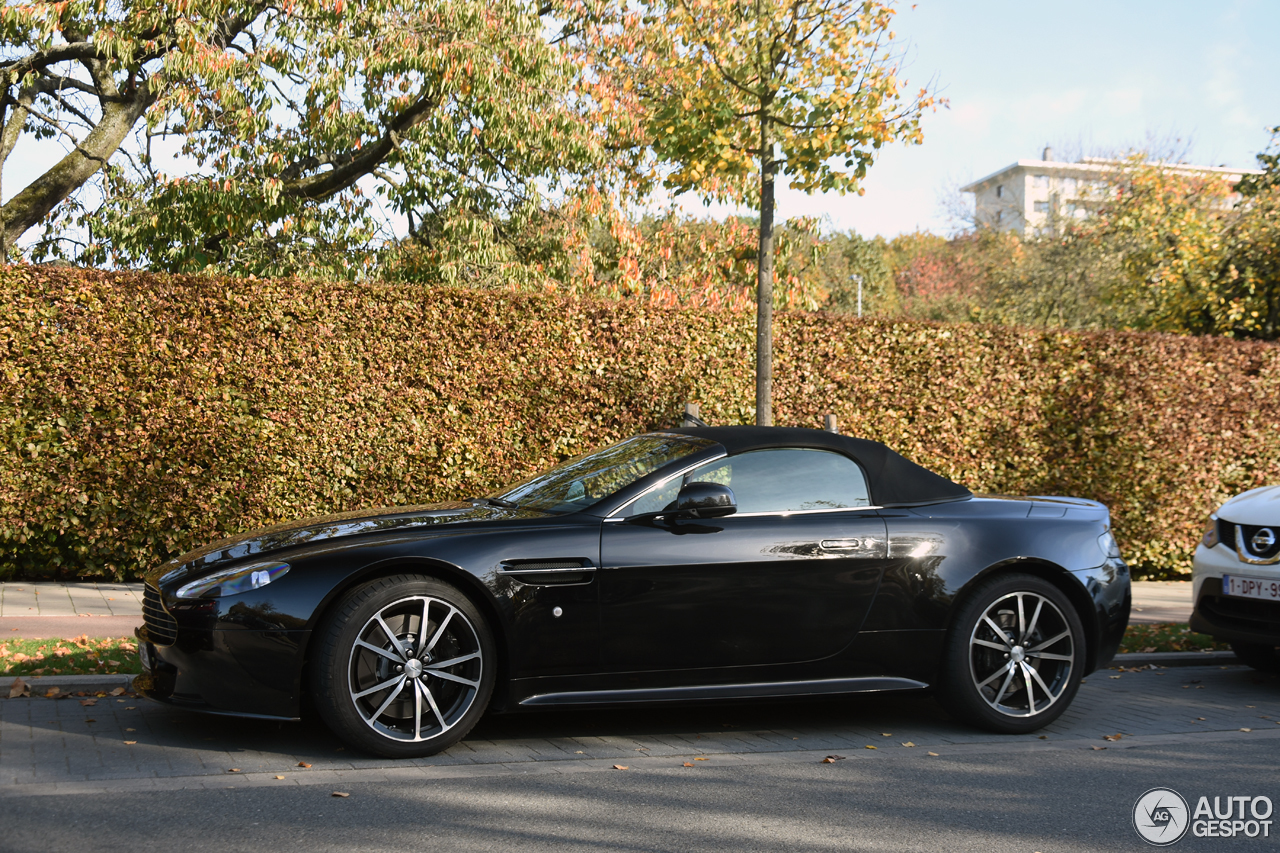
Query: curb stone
1174	659
67	684
41	684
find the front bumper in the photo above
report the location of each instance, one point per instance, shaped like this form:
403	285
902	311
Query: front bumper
238	672
1232	618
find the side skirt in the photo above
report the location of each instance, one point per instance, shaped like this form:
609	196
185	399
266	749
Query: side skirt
764	690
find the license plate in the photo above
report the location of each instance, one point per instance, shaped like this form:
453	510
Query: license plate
1251	587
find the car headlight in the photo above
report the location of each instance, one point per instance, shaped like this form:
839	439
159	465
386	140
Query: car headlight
1109	546
1210	537
235	581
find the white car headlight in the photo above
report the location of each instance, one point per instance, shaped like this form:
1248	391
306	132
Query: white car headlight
1109	546
235	580
1210	537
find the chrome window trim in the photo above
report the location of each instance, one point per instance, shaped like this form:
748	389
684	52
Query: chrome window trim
803	511
780	513
615	515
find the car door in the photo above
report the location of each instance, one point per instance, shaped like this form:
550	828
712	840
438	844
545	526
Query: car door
787	578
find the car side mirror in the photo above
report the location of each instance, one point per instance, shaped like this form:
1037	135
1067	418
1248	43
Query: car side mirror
705	500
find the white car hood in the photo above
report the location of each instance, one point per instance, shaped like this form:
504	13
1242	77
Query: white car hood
1257	506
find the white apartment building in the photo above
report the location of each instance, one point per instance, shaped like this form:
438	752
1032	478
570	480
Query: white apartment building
1028	196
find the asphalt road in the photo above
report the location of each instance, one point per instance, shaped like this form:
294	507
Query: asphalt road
133	775
994	798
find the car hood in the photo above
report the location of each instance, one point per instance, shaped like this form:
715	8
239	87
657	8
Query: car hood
312	530
1257	506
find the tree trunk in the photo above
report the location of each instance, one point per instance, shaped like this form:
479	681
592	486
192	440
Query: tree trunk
764	285
42	195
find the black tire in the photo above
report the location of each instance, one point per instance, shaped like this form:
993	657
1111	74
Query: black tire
1261	658
417	696
1044	654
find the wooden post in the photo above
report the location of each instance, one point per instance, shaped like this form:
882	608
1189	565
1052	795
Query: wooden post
830	424
691	418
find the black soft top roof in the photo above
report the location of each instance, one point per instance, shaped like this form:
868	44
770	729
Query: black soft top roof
892	479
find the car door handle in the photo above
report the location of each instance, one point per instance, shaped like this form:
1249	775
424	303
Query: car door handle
846	544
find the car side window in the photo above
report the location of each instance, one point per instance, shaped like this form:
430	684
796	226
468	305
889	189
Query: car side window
788	480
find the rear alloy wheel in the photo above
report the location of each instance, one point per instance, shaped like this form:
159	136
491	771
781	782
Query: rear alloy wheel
1261	658
406	667
1014	656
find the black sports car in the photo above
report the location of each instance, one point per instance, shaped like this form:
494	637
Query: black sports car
717	563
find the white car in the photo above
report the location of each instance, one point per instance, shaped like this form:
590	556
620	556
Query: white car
1236	577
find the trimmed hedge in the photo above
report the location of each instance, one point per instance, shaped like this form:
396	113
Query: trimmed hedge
142	415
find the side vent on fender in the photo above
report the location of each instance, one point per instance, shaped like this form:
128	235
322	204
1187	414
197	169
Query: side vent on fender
554	572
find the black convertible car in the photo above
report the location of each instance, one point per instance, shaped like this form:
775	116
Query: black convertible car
717	563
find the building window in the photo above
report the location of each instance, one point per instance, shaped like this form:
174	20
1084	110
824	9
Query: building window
1000	191
1040	182
1069	186
1042	207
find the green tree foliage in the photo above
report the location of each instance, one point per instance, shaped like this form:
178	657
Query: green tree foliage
292	130
737	93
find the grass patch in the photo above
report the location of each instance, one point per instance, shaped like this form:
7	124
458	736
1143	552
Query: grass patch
77	656
1167	637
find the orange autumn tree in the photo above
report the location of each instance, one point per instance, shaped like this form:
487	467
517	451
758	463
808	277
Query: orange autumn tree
737	93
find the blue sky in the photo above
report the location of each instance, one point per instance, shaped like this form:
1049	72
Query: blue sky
1083	76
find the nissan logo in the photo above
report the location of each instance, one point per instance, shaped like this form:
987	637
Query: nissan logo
1263	540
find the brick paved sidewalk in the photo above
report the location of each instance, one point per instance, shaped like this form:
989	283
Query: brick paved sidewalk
43	610
70	599
55	746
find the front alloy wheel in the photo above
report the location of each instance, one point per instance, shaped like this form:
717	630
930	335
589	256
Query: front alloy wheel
406	667
1014	656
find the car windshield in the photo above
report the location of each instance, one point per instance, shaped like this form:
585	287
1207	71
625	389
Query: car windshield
581	482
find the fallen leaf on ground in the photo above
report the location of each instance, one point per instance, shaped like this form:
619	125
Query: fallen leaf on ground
1044	737
53	692
907	743
279	777
88	702
886	734
303	764
688	764
113	663
1113	676
702	759
869	746
1246	730
1097	747
130	742
19	688
130	730
1113	738
621	767
131	707
578	752
91	720
833	758
234	770
1148	650
1200	718
934	754
339	794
